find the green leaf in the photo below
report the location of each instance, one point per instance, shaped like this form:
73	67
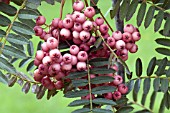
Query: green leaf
132	9
76	93
51	93
143	111
30	48
103	89
161	32
137	86
74	75
158	21
151	66
2	33
156	84
7	9
33	4
146	85
41	92
167	97
30	66
95	2
101	71
26	87
17	46
163	41
30	23
13	60
5	65
27	14
101	79
141	14
143	100
163	51
152	101
166	27
125	109
130	85
149	16
164	85
8	50
3	78
79	103
99	110
103	101
17	39
124	9
122	101
135	96
115	9
138	67
162	106
168	73
22	28
24	62
98	42
35	88
50	2
39	45
80	82
12	81
98	62
161	67
4	21
82	110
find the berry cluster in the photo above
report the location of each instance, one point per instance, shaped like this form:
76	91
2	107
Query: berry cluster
80	32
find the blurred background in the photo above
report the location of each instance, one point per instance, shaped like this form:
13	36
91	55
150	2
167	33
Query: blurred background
13	100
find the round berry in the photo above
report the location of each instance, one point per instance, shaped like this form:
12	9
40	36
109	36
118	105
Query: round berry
117	35
89	12
40	20
82	56
129	28
52	43
81	66
120	44
67	58
117	95
99	21
122	88
74	49
78	6
117	80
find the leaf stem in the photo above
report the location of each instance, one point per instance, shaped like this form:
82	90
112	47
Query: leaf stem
10	26
61	8
143	77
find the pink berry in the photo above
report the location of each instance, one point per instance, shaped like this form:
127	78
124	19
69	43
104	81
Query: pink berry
40	20
77	41
127	37
78	6
117	80
55	33
38	75
129	28
38	31
74	49
66	67
91	41
76	34
56	67
46	82
81	66
65	33
67	58
77	26
39	55
46	36
52	43
111	41
84	36
122	88
42	35
79	17
84	47
99	21
55	54
136	36
120	44
89	12
59	60
60	24
136	29
68	23
129	45
37	62
134	48
104	29
59	76
59	85
74	60
82	56
117	95
55	22
87	25
43	69
88	97
47	60
115	67
117	35
45	47
108	96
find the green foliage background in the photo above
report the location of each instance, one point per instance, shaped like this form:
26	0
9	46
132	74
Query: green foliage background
14	101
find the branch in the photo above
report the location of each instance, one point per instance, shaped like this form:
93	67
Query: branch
61	8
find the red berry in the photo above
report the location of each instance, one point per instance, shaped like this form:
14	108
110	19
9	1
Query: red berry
40	20
122	88
117	95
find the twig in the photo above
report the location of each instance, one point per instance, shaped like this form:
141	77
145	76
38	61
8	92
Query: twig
61	8
86	3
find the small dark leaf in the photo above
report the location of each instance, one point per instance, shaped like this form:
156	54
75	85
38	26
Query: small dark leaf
76	93
115	9
98	42
130	85
163	51
156	84
3	78
2	33
7	9
30	48
30	66
17	46
149	16
137	85
146	85
166	27
143	100
79	103
12	81
79	82
163	41
151	66
138	67
74	75
152	101
99	110
94	1
26	87
17	39
101	79
103	89
101	71
13	60
62	45
50	2
82	110
125	109
4	21
24	62
168	73
30	23
132	9
135	96
41	92
20	82
162	105
39	45
122	101
98	62
164	85
51	93
161	32
27	14
103	101
158	21
5	65
143	111
167	98
18	2
33	4
124	9
141	13
22	28
35	88
161	67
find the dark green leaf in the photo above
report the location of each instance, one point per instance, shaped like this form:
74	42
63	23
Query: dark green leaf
166	27
143	100
13	60
30	66
30	23
3	78
161	32
39	45
101	79
17	46
167	98
135	96
132	9
33	4
152	100
27	14
82	110
163	51
7	9
8	50
161	67
22	28
76	93
18	2
80	82
130	85
137	85
122	101
141	14
35	88
103	101
99	110
5	65
98	62
149	16
101	71
143	111
94	1
151	66
103	89
41	92
125	109
164	85
156	84
138	67
4	21
115	9
12	81
162	106
98	42
158	21
79	103
26	87
30	48
74	75
146	85
24	62
124	9
51	93
17	39
168	73
163	41
50	2
2	33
